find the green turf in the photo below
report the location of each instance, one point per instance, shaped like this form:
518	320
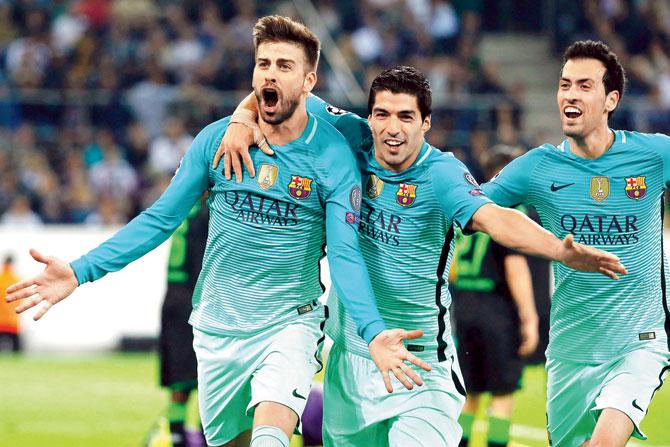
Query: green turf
113	400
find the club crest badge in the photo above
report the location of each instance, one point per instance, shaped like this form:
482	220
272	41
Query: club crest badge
406	194
300	187
267	176
374	187
600	188
636	187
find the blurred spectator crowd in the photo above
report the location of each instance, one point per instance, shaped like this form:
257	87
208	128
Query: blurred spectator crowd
99	99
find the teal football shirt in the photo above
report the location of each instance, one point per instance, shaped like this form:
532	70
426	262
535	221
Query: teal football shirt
266	234
407	237
614	203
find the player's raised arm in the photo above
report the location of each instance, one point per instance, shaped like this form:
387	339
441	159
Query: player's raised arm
515	230
243	132
141	235
350	275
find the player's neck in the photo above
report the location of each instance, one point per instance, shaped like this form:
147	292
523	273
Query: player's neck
289	130
594	144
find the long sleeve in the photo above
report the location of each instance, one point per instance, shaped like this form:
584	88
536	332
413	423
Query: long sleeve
154	225
347	266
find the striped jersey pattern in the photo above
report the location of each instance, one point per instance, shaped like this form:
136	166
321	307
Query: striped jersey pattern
407	239
614	203
266	234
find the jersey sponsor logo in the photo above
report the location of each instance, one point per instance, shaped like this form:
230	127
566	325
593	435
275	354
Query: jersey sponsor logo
636	405
261	210
374	187
335	111
636	187
602	229
355	198
476	192
554	187
406	194
380	226
267	176
600	188
300	187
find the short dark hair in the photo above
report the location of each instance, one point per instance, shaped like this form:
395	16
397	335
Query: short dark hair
284	29
403	79
615	75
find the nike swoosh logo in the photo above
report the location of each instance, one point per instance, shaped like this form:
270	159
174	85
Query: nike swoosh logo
295	394
637	406
555	187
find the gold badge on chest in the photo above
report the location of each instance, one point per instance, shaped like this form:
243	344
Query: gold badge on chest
267	176
374	187
600	188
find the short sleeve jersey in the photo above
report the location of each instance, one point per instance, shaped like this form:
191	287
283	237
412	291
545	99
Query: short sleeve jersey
614	203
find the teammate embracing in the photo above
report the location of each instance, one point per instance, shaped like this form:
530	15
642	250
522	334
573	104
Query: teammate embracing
258	325
414	197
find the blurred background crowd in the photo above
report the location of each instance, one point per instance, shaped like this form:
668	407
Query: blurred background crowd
99	99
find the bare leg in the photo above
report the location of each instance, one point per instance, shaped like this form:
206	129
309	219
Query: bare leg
242	440
501	406
471	403
613	429
276	415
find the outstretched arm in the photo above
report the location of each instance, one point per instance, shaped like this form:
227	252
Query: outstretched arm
515	230
141	235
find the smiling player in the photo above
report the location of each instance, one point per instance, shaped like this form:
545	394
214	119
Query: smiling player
414	198
258	325
608	350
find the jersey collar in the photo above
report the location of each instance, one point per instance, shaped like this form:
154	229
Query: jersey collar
619	138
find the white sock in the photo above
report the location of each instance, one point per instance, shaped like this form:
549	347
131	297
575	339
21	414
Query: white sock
268	436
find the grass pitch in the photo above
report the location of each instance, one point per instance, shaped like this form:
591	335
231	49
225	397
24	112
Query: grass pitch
112	401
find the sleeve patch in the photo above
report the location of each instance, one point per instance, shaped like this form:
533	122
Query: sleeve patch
355	198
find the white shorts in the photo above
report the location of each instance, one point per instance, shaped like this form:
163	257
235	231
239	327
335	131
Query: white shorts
577	393
359	412
237	373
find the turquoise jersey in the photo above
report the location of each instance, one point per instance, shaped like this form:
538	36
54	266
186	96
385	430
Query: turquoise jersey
614	203
407	238
266	234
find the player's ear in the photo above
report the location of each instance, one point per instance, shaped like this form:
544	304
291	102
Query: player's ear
309	82
612	100
425	126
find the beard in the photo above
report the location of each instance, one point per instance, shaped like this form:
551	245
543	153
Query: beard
285	109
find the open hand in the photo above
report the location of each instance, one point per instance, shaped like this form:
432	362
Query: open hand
390	354
589	259
55	283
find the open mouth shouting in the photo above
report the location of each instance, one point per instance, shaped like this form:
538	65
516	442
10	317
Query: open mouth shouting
572	112
270	101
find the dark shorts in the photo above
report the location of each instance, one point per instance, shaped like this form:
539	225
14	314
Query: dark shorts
179	369
487	342
9	342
